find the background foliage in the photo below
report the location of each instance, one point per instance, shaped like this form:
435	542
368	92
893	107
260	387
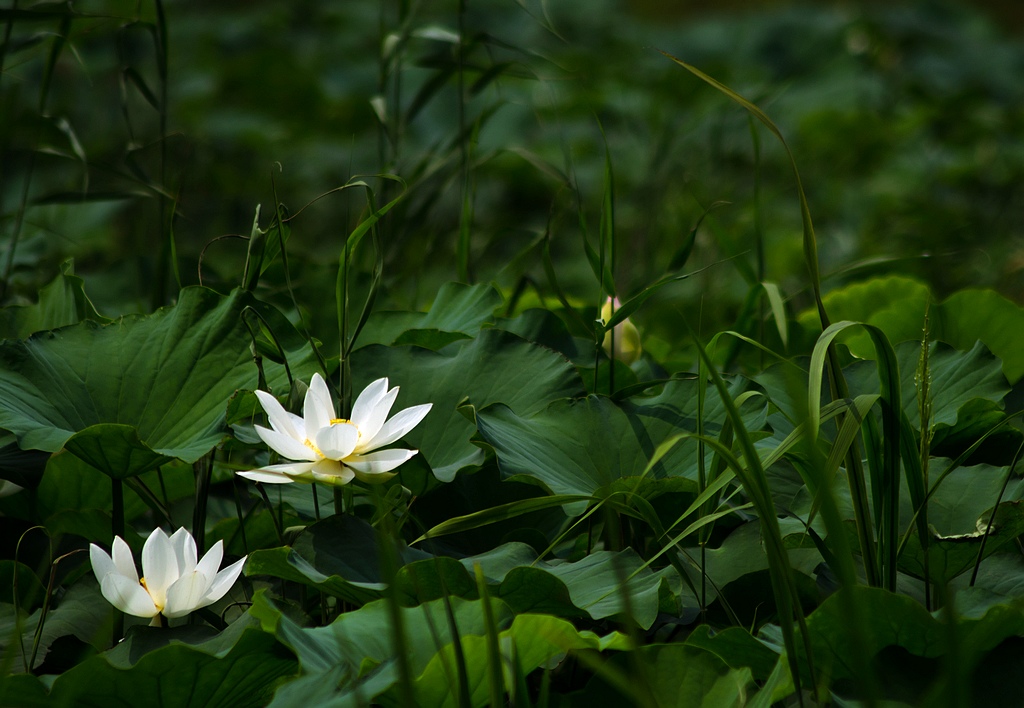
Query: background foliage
445	194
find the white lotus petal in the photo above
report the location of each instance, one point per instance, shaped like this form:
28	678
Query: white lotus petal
377	462
184	551
366	403
223	582
123	560
159	566
186	594
331	472
102	565
337	441
372	421
285	446
318	409
400	424
265	477
278	474
280	420
127	596
211	562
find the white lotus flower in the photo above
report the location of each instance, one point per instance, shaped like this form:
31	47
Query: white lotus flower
335	450
173	583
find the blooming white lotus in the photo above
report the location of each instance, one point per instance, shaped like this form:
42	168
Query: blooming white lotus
626	337
173	583
335	450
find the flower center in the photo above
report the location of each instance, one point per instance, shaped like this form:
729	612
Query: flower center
338	421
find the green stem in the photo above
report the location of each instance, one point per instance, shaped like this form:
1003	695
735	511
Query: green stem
389	569
202	468
117	529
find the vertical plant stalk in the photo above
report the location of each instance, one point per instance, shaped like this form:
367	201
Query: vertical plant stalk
270	510
702	537
837	382
755	484
167	248
495	680
117	529
202	469
37	638
8	29
389	570
607	234
923	382
59	40
465	144
755	138
235	483
344	383
992	516
16	600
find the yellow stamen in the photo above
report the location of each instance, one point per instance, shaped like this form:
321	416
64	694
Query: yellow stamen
314	448
338	421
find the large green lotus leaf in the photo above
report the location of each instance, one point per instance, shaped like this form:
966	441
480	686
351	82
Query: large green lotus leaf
546	328
322	690
61	302
953	554
971	315
286	564
595	585
891	620
339	555
737	648
673	410
23	691
590	587
458	312
241	673
115	450
1002	574
673	675
21	467
344	545
75	497
974	419
957	377
169	375
361	644
531	642
741	555
897	305
574	446
17	575
364	636
894	303
81	612
579	446
959	500
495	366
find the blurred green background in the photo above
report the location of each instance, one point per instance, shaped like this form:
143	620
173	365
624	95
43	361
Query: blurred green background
138	135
